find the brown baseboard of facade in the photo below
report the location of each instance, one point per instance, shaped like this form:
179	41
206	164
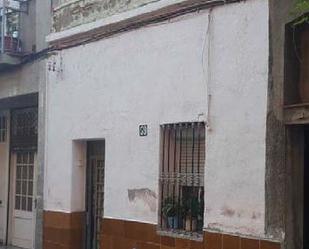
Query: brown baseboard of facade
120	234
63	230
66	231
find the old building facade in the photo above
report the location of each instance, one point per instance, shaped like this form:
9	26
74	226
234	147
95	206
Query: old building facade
155	124
22	77
177	93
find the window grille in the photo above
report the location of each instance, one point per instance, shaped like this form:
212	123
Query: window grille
95	192
24	181
24	128
182	177
3	129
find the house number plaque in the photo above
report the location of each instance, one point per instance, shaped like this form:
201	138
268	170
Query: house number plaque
143	130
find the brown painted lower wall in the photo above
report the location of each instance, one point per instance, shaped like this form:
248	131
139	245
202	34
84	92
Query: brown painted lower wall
65	231
119	234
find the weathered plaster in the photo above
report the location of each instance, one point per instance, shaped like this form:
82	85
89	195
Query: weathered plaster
30	78
277	219
74	13
20	81
114	82
24	80
235	158
163	74
85	27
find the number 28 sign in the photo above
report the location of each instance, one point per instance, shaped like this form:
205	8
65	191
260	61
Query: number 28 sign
143	130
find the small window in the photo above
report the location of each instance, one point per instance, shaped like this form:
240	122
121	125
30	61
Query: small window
3	129
182	178
24	128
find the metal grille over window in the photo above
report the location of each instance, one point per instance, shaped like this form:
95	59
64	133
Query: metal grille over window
24	128
24	181
182	177
95	207
3	128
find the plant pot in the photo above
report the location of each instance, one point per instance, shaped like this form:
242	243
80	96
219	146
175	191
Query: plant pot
189	227
200	224
172	222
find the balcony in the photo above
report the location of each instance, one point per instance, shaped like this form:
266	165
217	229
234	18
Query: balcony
11	45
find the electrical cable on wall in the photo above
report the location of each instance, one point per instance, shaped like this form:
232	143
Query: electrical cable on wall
207	73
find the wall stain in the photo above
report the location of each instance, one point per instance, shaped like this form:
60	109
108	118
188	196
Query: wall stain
226	211
256	215
145	195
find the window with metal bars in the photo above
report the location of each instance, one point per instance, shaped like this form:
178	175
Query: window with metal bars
24	132
182	177
3	128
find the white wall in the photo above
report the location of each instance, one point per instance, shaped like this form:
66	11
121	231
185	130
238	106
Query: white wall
235	161
163	74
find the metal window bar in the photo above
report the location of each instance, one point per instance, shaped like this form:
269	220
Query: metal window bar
98	196
24	128
95	199
182	177
3	129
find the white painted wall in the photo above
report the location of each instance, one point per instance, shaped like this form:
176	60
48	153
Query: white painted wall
163	74
235	161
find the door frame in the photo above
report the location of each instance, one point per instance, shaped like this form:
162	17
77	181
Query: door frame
294	185
13	157
7	176
89	233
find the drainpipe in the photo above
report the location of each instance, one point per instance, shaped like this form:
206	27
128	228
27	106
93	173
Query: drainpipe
3	27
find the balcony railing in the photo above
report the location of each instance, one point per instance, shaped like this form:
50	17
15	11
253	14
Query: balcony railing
11	44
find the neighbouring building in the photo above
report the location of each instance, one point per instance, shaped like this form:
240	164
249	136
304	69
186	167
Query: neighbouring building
23	28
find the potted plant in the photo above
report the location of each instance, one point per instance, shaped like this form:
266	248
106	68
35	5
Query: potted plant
194	214
171	210
200	216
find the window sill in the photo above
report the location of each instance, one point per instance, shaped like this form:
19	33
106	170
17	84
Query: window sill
180	234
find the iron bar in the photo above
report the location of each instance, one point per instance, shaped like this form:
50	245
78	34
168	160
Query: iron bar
162	173
179	180
192	171
181	177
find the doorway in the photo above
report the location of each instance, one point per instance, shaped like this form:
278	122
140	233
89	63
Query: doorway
297	163
95	192
22	172
23	199
306	188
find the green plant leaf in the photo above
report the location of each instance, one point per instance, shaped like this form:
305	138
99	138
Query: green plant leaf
300	11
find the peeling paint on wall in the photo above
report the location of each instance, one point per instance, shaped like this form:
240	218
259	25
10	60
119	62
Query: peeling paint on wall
145	195
68	14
